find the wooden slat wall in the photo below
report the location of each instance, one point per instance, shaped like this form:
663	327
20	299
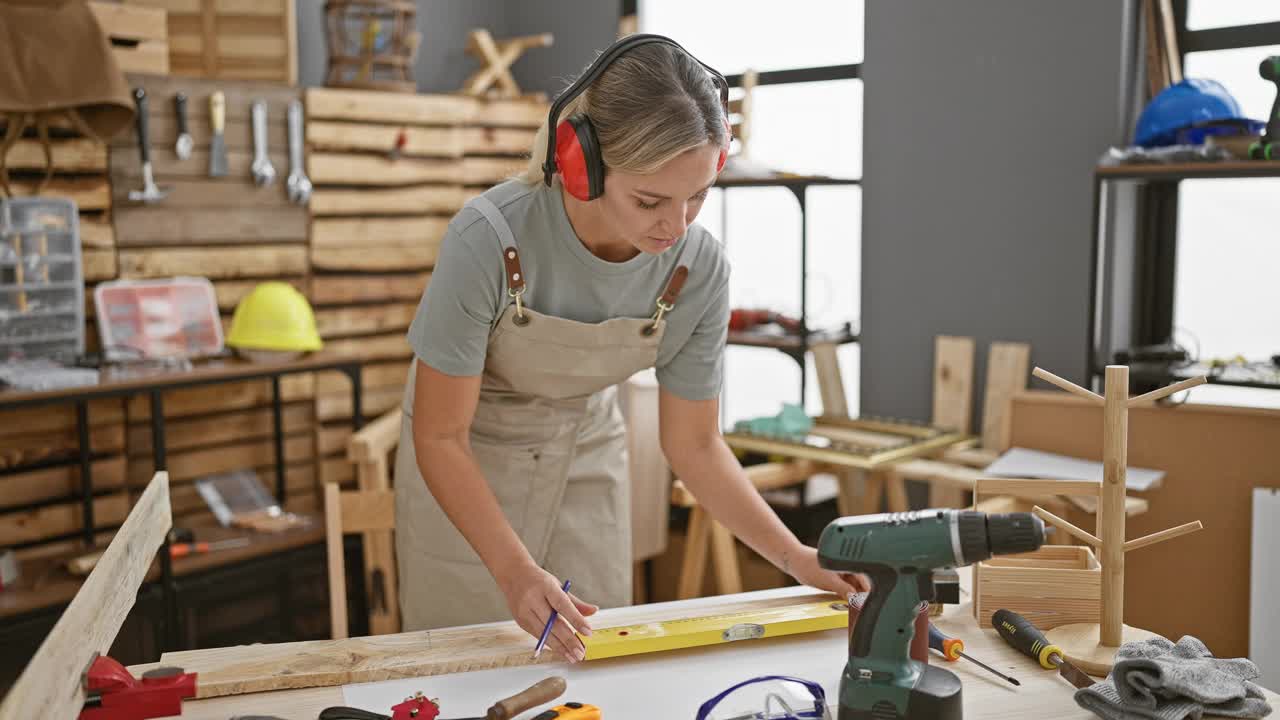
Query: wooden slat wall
231	39
236	234
377	222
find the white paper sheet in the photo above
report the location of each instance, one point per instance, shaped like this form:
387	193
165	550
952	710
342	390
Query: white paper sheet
639	687
1023	463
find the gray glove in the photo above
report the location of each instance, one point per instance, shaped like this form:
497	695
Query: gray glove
1158	679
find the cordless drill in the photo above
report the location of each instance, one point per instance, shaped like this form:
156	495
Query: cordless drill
899	552
1268	146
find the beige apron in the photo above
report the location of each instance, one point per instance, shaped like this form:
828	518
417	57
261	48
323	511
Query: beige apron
549	439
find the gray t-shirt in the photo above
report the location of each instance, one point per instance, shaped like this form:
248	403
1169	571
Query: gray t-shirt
467	292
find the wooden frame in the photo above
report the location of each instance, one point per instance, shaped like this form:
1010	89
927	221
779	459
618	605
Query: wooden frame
862	443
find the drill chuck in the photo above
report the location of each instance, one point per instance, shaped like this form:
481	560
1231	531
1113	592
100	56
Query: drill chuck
982	535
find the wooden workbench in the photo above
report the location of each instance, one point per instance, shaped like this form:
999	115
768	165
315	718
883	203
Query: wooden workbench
1042	695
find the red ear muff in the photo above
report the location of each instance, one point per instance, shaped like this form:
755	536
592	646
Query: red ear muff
578	158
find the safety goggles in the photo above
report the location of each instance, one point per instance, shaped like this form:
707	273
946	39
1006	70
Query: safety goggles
772	697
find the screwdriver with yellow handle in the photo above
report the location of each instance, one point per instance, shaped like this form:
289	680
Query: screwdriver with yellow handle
953	649
1027	639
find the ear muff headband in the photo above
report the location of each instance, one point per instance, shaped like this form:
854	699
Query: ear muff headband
593	72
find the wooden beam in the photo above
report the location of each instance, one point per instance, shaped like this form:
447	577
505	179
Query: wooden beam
139	226
443	199
376	439
420	141
399	232
1067	385
50	685
347	289
375	259
346	169
215	263
398	108
1035	488
336	560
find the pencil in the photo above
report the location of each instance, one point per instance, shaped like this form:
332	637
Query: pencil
547	630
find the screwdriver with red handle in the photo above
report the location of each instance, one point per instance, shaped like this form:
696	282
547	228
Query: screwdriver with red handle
953	649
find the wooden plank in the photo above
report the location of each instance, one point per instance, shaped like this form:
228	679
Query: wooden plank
149	57
374	347
201	193
59	418
96	231
88	193
197	463
497	141
22	448
27	526
127	166
363	320
382	232
146	226
215	263
347	169
234	671
99	264
127	22
185	434
224	397
71	155
373	376
1036	488
346	289
1008	366
399	108
490	170
50	685
515	112
375	259
230	292
445	199
367	137
953	382
37	486
330	408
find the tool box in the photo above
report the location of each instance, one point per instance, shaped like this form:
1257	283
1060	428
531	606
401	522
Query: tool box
174	317
41	280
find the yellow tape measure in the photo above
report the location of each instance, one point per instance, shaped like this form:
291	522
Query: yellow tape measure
713	630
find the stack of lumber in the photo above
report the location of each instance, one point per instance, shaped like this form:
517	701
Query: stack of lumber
236	234
231	39
377	222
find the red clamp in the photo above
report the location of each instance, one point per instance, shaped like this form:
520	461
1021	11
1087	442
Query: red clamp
111	693
418	707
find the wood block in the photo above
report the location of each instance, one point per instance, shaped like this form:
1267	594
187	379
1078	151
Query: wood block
375	259
346	289
70	155
88	193
514	112
490	170
197	463
126	167
497	141
187	226
348	169
363	319
28	526
220	398
1055	585
96	231
230	292
186	434
396	108
22	448
383	232
368	137
99	264
330	408
215	263
52	483
443	199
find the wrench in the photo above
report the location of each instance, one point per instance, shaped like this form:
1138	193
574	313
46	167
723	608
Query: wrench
298	184
263	173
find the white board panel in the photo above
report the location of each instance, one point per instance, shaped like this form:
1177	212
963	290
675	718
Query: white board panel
1264	587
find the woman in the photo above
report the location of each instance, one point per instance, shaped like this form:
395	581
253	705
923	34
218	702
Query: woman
549	290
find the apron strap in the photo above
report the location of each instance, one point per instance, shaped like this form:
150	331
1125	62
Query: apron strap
510	255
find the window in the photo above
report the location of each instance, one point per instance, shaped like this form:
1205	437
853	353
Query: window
1227	297
801	127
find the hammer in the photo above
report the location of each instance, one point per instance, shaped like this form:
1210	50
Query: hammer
149	193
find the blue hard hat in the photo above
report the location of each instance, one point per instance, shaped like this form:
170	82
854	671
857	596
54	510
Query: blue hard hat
1192	103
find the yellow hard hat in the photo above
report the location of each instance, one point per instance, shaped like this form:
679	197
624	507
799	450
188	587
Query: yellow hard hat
274	316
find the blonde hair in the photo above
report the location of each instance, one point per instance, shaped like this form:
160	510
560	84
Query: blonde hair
650	105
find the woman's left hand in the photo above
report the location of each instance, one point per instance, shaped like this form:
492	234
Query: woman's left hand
803	566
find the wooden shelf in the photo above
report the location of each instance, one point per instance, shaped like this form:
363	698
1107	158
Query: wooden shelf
1190	170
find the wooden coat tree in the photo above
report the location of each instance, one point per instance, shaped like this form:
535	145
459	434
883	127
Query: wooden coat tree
1092	646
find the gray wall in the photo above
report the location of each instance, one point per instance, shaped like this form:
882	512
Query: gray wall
580	27
983	121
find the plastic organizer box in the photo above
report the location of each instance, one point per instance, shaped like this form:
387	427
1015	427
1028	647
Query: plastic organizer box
41	279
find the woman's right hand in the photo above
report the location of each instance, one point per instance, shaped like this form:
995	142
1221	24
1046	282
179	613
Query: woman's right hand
531	594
